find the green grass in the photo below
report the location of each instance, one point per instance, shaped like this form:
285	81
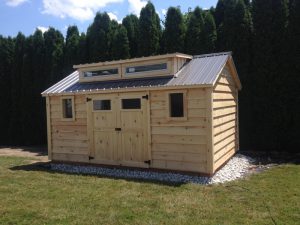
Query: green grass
42	197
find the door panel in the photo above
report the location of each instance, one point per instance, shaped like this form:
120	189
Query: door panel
133	136
105	145
104	122
120	134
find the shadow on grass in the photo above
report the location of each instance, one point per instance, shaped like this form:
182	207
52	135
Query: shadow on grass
38	150
265	158
46	167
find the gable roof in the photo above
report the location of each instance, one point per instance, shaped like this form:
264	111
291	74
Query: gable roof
201	70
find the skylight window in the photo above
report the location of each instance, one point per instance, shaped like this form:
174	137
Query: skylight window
146	68
101	73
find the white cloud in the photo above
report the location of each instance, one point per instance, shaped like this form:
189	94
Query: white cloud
43	29
135	6
112	16
15	3
77	9
164	11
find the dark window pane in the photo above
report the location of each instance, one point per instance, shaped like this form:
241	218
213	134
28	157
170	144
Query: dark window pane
133	103
139	69
176	105
67	108
101	105
100	73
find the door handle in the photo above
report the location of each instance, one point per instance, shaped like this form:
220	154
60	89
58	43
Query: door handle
118	129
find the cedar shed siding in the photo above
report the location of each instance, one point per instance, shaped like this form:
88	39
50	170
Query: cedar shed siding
69	139
225	118
180	144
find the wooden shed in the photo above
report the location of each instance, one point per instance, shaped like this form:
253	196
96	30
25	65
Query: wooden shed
173	112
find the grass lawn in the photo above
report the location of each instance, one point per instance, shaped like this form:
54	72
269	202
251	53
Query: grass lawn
42	197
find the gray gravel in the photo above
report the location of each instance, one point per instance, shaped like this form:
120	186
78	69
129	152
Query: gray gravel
237	167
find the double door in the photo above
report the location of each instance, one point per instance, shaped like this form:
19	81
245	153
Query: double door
118	129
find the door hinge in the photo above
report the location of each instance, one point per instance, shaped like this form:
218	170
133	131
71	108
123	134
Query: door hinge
91	157
88	99
118	129
148	162
145	97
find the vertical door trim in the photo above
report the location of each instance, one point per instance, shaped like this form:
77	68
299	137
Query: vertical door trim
90	127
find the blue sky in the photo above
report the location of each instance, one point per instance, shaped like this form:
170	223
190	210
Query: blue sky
27	15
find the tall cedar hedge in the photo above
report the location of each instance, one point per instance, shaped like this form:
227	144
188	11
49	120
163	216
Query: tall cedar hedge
264	36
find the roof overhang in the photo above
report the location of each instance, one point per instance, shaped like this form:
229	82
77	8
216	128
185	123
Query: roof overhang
129	89
230	63
234	73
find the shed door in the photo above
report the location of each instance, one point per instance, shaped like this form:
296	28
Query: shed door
134	127
119	126
104	139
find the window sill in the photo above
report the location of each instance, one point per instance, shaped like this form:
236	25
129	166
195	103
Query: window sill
68	119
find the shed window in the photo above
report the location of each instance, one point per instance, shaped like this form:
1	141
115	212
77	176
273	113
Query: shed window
176	104
67	105
146	68
107	72
132	103
101	105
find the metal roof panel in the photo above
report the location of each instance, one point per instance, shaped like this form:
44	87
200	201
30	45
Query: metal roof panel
201	70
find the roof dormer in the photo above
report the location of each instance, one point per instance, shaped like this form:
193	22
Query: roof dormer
152	66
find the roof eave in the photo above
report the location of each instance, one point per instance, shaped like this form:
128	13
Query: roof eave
233	70
131	89
235	73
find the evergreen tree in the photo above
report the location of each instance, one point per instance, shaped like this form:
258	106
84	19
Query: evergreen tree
6	64
270	19
291	67
209	34
174	32
294	39
113	30
120	44
38	112
227	25
194	35
54	44
237	20
131	23
187	16
27	105
71	54
82	49
15	127
150	31
33	83
97	38
219	12
247	3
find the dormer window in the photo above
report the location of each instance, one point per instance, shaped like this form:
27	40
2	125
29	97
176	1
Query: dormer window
106	72
146	68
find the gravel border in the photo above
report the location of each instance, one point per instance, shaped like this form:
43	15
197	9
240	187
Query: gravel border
237	167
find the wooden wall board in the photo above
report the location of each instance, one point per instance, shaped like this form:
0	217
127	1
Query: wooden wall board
225	115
